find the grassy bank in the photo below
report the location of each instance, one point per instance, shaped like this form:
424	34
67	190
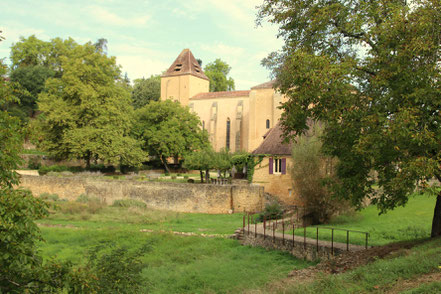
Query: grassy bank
411	222
175	264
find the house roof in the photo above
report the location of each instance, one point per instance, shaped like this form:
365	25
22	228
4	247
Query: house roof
223	94
266	85
184	64
273	143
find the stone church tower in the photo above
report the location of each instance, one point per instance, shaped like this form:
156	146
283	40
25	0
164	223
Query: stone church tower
183	79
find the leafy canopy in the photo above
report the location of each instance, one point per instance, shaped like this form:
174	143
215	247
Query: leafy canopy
87	111
146	90
168	129
217	72
370	70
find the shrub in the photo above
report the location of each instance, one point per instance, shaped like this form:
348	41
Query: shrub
84	198
185	177
34	162
311	169
53	168
173	177
129	203
271	211
50	197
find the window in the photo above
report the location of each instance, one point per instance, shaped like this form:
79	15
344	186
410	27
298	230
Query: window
203	125
277	166
227	143
267	123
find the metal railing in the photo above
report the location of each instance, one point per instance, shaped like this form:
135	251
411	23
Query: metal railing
293	223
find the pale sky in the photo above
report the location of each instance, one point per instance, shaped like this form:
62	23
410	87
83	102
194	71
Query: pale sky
146	36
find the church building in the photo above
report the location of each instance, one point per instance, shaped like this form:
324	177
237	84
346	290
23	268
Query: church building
237	120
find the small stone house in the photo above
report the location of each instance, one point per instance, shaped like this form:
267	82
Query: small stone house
273	172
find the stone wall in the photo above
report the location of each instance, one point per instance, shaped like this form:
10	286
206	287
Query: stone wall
308	250
180	197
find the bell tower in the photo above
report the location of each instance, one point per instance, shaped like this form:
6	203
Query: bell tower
183	79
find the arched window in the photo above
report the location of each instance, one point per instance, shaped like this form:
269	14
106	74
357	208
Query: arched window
267	123
203	125
227	143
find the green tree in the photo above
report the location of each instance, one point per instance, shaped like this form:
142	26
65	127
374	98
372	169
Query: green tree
370	70
87	112
217	72
168	129
31	81
146	90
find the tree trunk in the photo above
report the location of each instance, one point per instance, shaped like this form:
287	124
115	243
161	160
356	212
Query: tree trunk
202	176
207	176
436	223
164	162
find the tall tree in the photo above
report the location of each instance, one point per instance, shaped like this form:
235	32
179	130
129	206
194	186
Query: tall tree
146	90
168	129
217	72
87	112
370	70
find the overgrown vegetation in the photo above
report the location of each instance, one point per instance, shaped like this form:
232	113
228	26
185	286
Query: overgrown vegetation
311	169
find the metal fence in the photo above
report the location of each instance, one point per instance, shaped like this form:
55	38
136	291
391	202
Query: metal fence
269	229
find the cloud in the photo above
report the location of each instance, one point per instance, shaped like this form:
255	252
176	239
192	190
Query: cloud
105	16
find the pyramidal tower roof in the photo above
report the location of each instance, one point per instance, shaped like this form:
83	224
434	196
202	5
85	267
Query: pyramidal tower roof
185	64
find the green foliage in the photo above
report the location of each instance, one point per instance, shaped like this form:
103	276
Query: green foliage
48	196
129	203
310	170
117	271
87	112
167	129
217	72
52	168
34	162
272	211
30	80
247	160
19	262
146	90
370	72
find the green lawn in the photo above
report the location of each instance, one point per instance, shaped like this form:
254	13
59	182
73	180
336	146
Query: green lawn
411	222
382	275
176	264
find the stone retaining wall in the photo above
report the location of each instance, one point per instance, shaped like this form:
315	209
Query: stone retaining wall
180	197
309	250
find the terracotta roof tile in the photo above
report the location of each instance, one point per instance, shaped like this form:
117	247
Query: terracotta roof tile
223	94
266	85
272	144
185	63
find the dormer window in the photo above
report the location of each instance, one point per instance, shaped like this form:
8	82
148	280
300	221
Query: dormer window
178	67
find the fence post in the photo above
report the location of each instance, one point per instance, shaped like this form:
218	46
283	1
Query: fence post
367	236
293	240
274	233
347	240
332	242
317	239
248	223
255	229
243	225
283	231
264	227
304	237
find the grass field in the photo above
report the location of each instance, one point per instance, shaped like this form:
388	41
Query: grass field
411	222
175	264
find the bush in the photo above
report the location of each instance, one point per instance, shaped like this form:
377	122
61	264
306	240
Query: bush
52	168
34	162
311	169
129	203
272	211
101	168
48	196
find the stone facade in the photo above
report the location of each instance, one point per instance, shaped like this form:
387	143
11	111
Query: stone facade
200	198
